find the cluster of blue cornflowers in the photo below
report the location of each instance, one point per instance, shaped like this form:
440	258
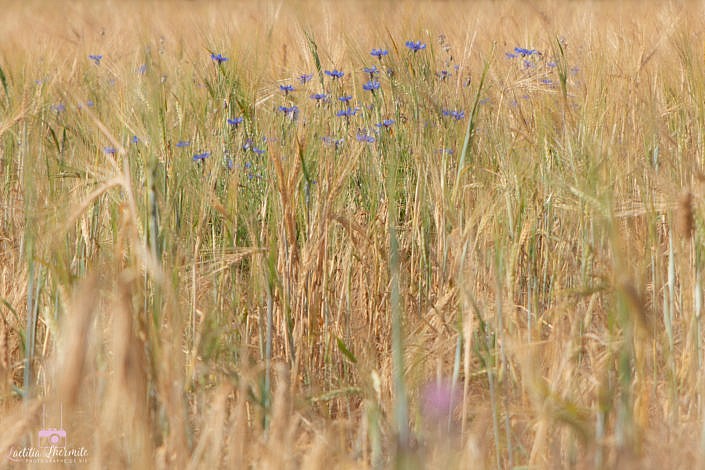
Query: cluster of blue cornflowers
455	114
332	93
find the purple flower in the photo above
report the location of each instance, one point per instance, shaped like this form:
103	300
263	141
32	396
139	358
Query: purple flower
526	52
372	85
364	137
183	143
372	71
304	78
457	115
443	74
258	150
439	401
345	99
387	123
319	96
286	88
293	110
201	156
142	69
58	108
110	150
135	139
415	46
235	122
347	112
379	53
96	58
219	58
334	73
332	141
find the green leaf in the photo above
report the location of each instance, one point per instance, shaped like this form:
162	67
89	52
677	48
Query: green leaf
313	48
472	123
55	139
3	80
346	352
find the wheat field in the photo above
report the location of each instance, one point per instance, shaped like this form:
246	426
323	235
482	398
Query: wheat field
352	234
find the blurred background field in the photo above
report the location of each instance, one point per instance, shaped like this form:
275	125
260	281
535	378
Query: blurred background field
487	254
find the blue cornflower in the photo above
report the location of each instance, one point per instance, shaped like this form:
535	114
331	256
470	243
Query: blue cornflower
332	141
96	58
345	99
387	123
379	53
546	81
58	108
372	71
135	139
286	88
142	69
372	85
218	58
90	103
347	112
288	110
229	164
201	156
258	150
319	96
552	64
443	74
291	111
361	137
510	55
457	115
526	52
415	46
110	150
335	73
183	143
305	77
235	121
